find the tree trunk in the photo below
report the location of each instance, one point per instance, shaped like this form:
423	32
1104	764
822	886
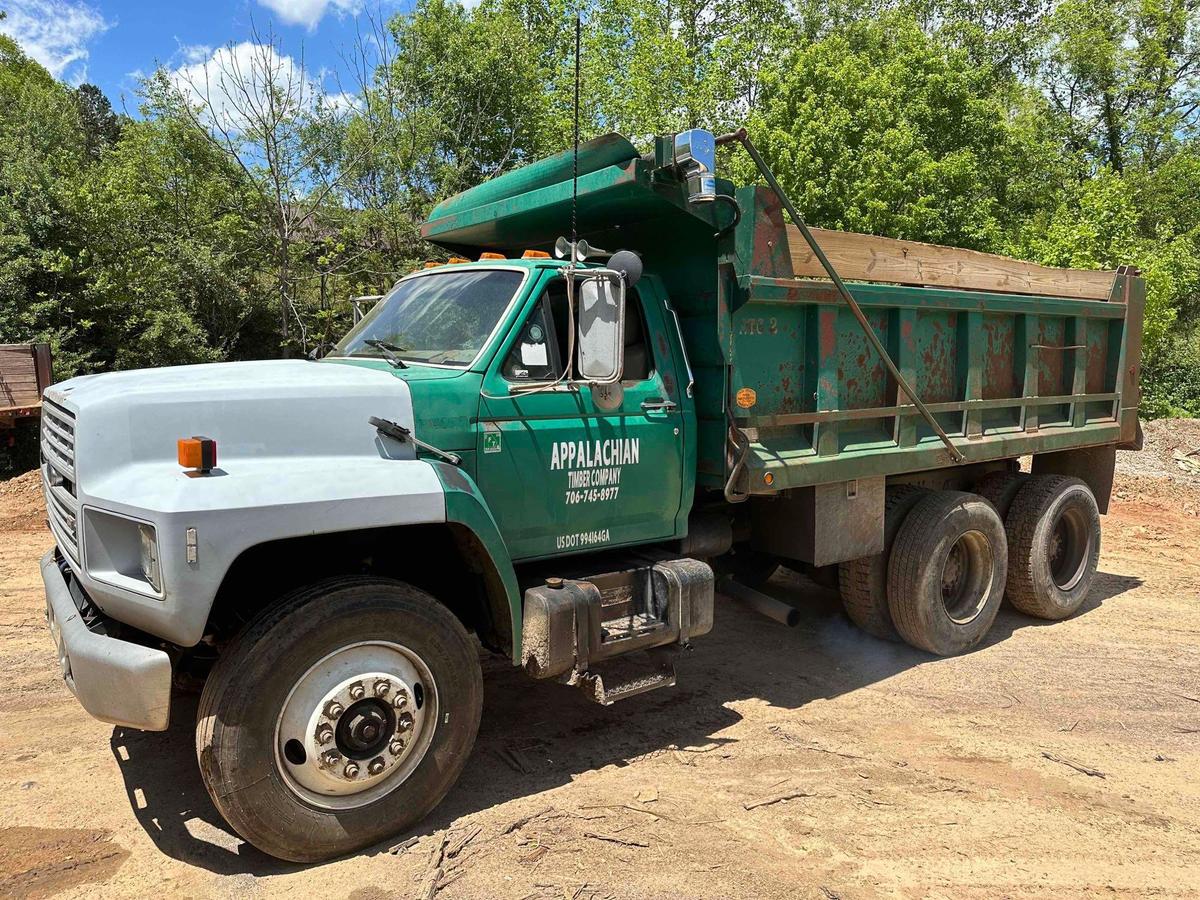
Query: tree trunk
1112	132
284	312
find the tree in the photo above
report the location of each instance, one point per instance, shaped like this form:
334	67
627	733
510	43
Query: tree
175	256
277	125
42	158
101	126
879	128
1125	76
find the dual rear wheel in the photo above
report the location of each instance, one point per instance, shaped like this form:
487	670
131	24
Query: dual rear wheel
950	557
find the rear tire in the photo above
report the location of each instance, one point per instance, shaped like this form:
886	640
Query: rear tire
947	572
1054	546
1000	489
863	582
275	749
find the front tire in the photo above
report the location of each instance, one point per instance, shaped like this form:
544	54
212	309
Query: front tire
339	717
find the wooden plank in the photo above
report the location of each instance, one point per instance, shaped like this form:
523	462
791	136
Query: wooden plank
865	257
43	365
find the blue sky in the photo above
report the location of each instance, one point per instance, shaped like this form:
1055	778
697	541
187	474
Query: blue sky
112	42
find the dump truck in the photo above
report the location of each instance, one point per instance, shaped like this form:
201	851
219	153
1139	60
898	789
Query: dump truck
561	454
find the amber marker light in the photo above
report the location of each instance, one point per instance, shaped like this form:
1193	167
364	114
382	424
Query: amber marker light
455	260
431	264
769	478
483	256
535	254
198	453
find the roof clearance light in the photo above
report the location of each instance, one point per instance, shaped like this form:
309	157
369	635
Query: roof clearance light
198	453
455	260
535	254
483	256
430	264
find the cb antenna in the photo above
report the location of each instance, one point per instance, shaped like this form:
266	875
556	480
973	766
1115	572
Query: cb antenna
575	154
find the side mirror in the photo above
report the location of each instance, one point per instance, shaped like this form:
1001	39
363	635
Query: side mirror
601	339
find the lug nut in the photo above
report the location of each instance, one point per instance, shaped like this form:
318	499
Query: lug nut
333	709
401	699
330	757
351	770
375	766
357	691
324	734
405	722
381	688
396	747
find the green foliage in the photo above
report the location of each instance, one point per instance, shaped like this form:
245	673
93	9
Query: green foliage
1062	131
880	128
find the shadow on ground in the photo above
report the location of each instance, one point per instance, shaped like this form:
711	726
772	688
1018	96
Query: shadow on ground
555	733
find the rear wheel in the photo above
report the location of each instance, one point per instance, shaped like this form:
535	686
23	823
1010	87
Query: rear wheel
947	571
338	718
1000	489
1054	546
863	581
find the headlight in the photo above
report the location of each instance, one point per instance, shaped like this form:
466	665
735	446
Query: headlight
122	552
150	566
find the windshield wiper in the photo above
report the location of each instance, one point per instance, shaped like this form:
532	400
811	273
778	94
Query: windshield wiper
389	352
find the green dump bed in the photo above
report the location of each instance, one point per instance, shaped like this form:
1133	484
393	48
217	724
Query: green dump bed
1012	358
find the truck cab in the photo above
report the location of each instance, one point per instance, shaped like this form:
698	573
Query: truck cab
560	453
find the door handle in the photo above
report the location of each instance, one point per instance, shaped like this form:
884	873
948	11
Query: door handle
659	405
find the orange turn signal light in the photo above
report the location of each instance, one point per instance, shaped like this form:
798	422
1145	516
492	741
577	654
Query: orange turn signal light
490	255
535	254
199	453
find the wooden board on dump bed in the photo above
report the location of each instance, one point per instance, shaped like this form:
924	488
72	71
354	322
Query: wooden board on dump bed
865	257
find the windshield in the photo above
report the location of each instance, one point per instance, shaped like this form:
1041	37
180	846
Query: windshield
442	318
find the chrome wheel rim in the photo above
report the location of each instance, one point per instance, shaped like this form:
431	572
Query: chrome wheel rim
356	724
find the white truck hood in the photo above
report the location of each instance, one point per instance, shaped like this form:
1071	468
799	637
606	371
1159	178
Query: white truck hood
254	410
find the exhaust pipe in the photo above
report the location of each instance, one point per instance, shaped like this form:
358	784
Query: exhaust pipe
775	610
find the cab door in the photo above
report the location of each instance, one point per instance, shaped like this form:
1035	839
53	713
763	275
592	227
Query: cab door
572	468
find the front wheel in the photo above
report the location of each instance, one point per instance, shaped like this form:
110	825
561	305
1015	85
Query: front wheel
338	718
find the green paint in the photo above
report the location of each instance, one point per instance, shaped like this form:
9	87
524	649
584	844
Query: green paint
562	472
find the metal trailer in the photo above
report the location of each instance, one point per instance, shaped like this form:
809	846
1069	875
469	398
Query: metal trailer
25	371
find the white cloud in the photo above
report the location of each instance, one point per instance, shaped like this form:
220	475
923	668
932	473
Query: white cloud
229	80
309	12
55	33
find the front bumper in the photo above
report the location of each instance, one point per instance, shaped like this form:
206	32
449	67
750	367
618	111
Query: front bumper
116	681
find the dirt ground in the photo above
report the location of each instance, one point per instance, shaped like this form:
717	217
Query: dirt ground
1057	760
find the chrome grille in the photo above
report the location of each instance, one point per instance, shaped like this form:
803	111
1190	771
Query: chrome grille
58	477
58	439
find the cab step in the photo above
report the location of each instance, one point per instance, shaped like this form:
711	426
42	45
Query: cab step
624	678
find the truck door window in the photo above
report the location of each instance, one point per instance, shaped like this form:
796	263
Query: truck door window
541	346
535	355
